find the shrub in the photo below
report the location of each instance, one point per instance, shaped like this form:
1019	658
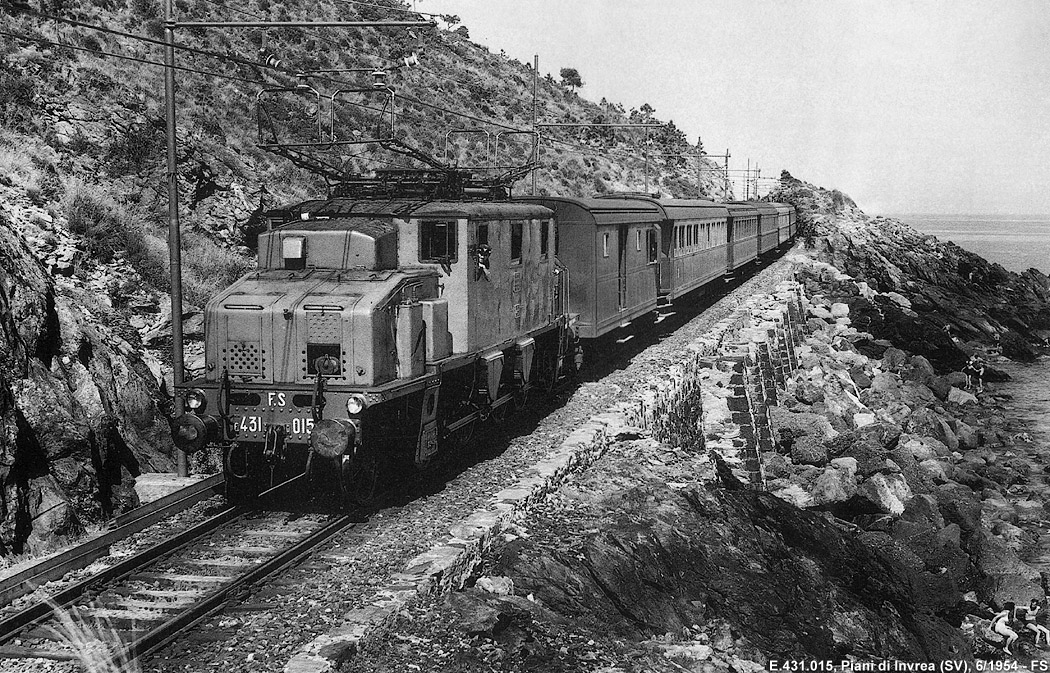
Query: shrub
208	267
93	214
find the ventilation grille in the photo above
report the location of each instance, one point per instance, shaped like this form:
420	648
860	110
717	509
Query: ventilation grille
323	327
245	358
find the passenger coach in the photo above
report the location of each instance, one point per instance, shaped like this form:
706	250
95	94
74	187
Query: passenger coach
610	249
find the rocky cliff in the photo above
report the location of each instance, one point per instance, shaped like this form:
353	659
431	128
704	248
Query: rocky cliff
79	404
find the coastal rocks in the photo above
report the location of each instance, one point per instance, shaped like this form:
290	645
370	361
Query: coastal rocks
778	583
883	494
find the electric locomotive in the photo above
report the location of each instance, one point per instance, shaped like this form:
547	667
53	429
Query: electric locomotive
381	325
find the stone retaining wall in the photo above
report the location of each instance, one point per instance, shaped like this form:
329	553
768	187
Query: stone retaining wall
714	399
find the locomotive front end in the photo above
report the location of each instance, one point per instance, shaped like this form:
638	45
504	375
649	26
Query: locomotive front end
300	354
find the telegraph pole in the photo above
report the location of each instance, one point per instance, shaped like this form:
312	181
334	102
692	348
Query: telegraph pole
699	155
535	131
174	233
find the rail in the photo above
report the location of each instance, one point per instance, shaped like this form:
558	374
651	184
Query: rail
84	554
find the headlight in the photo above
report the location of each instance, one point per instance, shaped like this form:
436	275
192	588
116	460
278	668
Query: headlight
356	404
196	400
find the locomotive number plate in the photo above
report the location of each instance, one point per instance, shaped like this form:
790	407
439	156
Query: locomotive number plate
250	424
300	425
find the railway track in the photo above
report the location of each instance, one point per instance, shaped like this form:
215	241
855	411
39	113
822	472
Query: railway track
144	601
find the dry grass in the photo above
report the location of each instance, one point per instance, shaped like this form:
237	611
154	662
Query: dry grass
110	227
96	644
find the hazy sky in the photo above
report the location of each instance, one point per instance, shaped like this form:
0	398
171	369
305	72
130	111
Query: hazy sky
927	106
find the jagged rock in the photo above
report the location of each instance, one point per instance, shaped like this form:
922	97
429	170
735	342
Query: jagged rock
885	383
808	450
860	378
919	369
967	436
80	407
898	299
915	394
839	310
960	397
821	313
923	508
885	493
834	485
778	583
937	470
1030	511
959	505
1007	577
924	448
928	423
501	586
863	420
940	387
790	424
893	359
809	393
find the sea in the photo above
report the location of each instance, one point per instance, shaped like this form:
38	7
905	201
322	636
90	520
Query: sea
1016	242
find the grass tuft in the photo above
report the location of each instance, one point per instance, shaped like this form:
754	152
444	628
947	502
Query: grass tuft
95	643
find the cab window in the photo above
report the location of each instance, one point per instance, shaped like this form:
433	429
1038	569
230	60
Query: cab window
545	237
516	233
437	241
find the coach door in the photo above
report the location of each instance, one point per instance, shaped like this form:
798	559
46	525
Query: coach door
729	243
621	253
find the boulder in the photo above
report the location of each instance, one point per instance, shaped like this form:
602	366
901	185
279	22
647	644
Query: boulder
960	397
956	379
839	310
959	505
938	470
809	393
967	436
834	486
940	387
893	359
928	423
923	448
886	493
821	313
860	377
1030	511
885	383
789	425
923	508
1007	578
808	450
898	299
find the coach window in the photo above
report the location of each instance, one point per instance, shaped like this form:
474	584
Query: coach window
652	245
638	240
605	245
545	237
516	233
437	241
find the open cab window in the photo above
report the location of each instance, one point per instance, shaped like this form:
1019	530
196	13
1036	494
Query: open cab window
437	241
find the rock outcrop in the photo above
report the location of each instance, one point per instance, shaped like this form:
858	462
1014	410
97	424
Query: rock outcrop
79	405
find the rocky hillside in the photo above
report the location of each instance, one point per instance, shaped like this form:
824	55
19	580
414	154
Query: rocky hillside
78	401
